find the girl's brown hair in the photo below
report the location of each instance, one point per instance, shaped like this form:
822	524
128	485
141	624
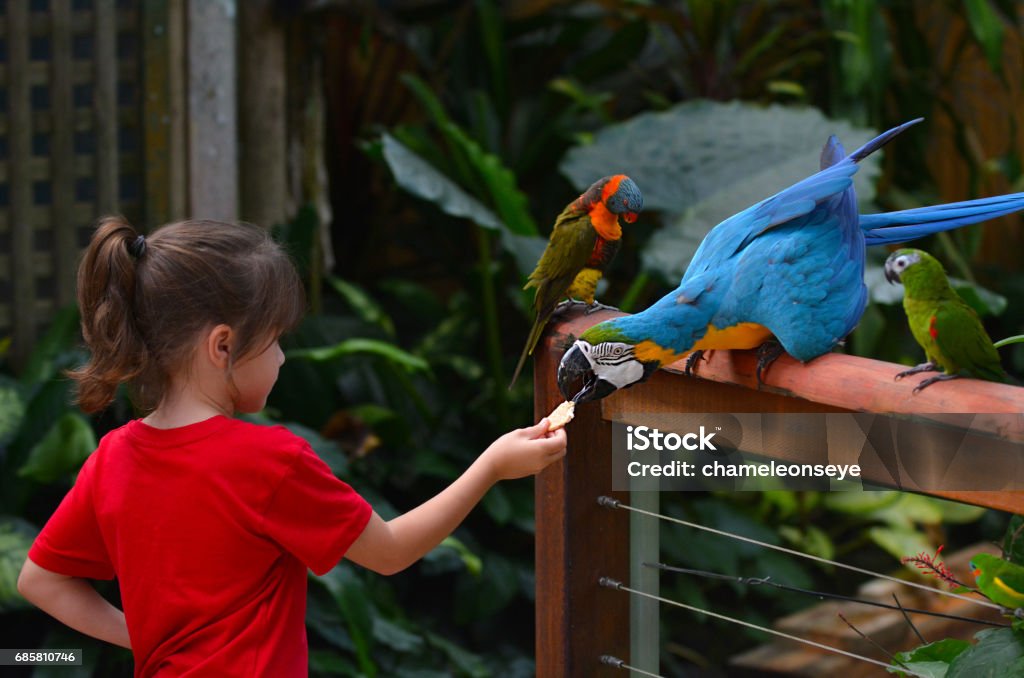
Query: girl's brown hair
144	302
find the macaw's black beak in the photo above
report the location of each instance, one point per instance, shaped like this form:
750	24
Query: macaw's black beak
890	274
577	381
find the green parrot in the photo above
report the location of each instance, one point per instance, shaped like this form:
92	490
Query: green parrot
584	240
1000	580
948	330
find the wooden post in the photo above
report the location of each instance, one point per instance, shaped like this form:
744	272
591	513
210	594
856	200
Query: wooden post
62	158
212	110
163	105
23	270
578	542
107	166
261	115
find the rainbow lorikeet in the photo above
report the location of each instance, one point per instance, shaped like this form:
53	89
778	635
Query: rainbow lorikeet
1000	580
585	238
944	325
790	266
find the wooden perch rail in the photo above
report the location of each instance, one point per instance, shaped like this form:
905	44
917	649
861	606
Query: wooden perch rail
579	541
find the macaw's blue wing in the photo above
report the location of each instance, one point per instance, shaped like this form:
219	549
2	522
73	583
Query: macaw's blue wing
729	238
834	180
891	228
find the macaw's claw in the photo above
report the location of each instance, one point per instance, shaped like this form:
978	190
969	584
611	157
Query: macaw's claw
692	362
931	380
923	367
767	353
598	306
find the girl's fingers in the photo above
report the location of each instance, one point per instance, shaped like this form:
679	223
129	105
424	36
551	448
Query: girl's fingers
538	429
555	441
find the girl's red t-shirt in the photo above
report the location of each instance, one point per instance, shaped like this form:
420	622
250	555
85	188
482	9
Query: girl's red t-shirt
209	529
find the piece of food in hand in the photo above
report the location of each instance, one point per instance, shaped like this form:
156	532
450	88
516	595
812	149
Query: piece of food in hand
561	415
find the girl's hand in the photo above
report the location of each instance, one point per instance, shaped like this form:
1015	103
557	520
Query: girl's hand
525	451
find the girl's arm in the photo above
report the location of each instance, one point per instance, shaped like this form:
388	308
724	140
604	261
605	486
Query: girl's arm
74	602
391	546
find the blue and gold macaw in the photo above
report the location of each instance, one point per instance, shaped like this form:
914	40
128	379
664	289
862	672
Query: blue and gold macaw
790	267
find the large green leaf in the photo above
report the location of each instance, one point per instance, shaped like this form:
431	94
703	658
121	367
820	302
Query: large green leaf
62	450
352	599
423	180
499	182
701	162
999	653
900	541
12	409
931	660
987	28
60	338
15	539
383	349
466	662
362	303
419	177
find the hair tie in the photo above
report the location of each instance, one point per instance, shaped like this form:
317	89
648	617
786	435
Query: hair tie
137	247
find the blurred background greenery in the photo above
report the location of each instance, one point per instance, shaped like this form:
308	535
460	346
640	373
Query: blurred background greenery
456	132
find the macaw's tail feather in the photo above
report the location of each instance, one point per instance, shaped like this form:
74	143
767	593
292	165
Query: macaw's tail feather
531	342
881	140
895	227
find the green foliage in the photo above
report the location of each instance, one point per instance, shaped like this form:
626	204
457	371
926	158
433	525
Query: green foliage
15	539
898	522
998	653
1013	540
61	451
931	660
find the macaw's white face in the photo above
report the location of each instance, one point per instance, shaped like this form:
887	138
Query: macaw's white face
602	368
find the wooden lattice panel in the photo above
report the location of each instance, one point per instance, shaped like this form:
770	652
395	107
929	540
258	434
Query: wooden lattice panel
70	146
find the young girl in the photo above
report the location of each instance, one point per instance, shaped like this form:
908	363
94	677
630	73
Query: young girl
209	523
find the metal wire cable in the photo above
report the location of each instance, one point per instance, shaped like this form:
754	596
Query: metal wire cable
613	584
615	503
619	664
755	581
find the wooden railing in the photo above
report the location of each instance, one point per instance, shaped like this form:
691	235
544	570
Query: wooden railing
579	541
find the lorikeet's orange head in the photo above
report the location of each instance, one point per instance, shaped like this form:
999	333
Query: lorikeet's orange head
622	197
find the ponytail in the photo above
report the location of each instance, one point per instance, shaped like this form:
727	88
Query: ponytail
106	298
145	300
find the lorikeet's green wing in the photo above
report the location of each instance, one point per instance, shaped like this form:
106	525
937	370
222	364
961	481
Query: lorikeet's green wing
962	342
569	248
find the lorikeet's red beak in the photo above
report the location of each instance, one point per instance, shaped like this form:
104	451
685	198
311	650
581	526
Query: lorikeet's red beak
629	217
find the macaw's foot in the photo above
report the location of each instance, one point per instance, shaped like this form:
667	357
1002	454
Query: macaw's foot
931	380
767	353
692	361
598	306
923	367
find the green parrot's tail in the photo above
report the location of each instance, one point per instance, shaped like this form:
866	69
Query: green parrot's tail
531	342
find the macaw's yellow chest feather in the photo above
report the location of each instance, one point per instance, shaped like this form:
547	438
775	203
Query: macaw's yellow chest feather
739	336
648	351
